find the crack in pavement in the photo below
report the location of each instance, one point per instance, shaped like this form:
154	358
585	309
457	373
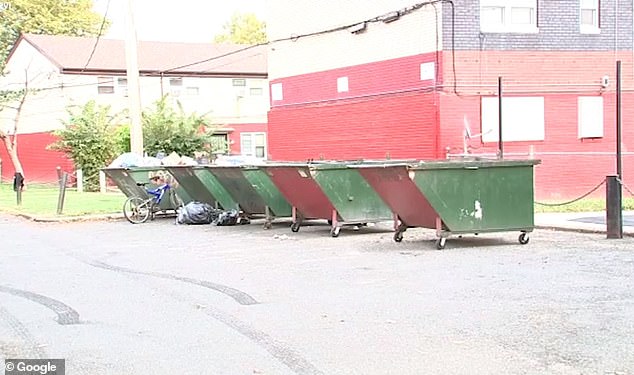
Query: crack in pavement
65	314
237	295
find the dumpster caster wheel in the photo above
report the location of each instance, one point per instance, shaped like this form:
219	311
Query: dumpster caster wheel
440	243
329	222
334	232
267	225
523	238
398	236
295	227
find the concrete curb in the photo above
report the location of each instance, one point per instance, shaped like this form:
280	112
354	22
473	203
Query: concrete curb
66	219
579	230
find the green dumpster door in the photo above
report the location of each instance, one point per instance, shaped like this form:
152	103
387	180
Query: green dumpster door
125	182
479	197
233	179
350	194
188	181
268	191
216	189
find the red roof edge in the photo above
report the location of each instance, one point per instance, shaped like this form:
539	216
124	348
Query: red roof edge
156	73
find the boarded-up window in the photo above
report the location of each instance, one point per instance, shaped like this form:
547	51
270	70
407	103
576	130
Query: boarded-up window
590	111
522	119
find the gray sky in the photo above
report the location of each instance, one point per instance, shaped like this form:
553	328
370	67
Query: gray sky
177	20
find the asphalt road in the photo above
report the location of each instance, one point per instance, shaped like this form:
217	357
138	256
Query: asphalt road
157	298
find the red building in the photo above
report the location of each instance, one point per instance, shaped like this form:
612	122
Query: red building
421	82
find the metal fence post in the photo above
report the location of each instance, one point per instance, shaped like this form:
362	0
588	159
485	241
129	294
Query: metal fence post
62	191
613	209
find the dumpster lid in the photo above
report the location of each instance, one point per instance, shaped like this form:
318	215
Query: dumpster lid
473	163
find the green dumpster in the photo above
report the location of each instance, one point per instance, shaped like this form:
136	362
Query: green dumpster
458	196
354	200
128	180
253	190
128	185
211	183
189	181
275	203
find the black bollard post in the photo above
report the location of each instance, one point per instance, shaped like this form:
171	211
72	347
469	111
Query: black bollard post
613	211
18	186
62	193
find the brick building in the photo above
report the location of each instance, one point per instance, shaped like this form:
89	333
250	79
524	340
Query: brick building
420	81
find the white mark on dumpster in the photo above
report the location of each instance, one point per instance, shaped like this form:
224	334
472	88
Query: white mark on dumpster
478	210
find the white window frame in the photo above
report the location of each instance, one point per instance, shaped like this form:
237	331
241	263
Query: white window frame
239	82
522	119
595	6
122	86
176	86
105	85
252	150
506	8
590	116
192	90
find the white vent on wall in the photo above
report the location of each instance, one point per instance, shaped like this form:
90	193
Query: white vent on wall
342	84
427	71
277	92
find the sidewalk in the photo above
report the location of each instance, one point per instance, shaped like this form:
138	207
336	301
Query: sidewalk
590	222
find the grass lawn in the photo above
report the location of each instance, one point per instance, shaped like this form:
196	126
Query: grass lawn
42	200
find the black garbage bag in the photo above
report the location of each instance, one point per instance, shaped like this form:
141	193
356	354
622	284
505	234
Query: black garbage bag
231	217
197	213
225	218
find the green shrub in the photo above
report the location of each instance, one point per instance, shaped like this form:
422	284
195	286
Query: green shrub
168	130
88	139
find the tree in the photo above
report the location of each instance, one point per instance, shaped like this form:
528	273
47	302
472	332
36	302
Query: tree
167	130
10	140
88	139
243	29
55	17
8	99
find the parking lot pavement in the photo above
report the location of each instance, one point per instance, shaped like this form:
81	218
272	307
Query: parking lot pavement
115	298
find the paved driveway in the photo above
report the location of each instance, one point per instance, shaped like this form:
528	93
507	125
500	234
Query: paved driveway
115	298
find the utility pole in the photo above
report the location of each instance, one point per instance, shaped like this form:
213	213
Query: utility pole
134	95
614	190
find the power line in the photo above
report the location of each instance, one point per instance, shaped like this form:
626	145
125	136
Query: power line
94	47
294	38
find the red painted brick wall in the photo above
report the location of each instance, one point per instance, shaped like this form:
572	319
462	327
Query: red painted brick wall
570	166
398	126
476	72
388	111
405	125
39	164
363	80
